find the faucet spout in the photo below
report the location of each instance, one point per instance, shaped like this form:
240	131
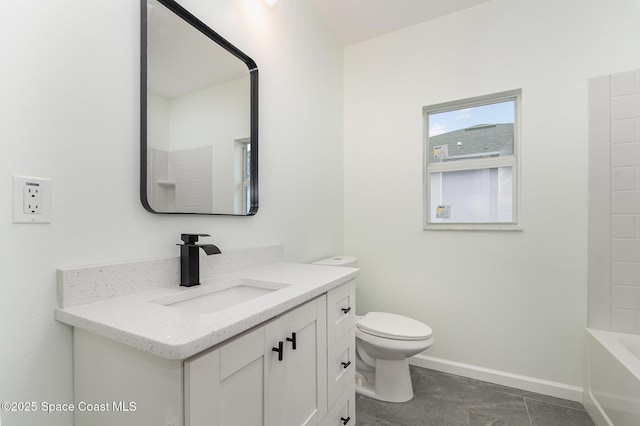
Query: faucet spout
210	249
189	259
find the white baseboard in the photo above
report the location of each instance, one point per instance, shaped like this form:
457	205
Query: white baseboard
546	387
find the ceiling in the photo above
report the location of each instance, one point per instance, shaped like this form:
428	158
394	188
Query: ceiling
354	21
176	49
181	60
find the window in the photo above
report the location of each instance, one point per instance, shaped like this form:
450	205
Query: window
246	177
242	176
471	163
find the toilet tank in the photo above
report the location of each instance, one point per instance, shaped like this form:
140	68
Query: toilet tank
348	261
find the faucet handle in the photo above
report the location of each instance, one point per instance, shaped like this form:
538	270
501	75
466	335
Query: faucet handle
192	238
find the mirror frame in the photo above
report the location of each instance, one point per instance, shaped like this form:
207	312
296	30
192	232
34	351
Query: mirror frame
253	93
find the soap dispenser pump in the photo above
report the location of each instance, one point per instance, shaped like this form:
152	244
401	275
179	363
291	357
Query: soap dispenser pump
189	259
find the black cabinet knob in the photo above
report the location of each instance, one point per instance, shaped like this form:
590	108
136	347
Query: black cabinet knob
280	350
346	364
345	420
292	339
346	310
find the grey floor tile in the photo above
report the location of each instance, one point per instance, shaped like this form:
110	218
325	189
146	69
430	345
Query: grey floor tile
417	412
531	395
448	400
508	412
543	414
367	420
476	419
480	404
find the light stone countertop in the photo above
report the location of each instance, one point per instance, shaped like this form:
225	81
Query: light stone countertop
142	321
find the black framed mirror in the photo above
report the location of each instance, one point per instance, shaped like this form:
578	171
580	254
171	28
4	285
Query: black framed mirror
198	117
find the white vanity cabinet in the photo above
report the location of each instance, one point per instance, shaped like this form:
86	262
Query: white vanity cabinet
242	381
274	375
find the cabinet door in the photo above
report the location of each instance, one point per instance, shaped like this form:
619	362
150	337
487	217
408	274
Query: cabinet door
296	386
224	387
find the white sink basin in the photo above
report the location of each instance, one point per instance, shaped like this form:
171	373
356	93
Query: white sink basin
236	292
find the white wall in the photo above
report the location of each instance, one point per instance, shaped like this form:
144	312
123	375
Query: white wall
511	301
69	90
216	116
158	122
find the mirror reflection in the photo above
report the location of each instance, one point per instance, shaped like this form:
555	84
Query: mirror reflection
199	135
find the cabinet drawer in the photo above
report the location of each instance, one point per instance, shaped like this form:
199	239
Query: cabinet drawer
341	315
343	412
342	364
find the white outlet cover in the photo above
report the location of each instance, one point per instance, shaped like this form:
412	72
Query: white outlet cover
44	187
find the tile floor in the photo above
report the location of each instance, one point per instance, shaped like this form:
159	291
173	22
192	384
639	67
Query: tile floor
446	400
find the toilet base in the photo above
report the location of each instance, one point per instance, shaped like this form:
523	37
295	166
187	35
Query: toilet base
392	382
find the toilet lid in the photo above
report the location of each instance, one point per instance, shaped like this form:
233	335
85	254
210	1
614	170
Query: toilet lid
393	326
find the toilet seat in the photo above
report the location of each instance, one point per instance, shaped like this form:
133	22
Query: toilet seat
393	326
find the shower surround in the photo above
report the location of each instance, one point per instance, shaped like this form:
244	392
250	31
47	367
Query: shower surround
612	374
614	202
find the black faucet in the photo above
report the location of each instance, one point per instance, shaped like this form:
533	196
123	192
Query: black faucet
189	260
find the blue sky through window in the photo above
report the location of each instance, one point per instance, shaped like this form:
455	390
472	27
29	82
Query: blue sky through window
445	122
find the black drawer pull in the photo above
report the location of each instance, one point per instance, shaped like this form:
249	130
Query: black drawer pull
345	421
292	339
280	350
346	311
346	364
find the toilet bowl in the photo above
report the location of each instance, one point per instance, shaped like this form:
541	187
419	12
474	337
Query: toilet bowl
384	342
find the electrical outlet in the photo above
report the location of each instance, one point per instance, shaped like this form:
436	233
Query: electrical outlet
31	200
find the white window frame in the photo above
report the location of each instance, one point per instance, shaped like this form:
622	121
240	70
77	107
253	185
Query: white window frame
242	176
512	161
246	177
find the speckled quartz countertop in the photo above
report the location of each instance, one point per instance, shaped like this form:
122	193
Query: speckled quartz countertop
142	320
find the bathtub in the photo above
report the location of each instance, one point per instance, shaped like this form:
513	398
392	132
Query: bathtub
612	378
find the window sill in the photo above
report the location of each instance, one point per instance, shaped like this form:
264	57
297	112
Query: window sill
472	227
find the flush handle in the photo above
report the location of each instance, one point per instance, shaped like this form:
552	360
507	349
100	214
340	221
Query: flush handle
345	420
346	364
292	339
346	310
280	350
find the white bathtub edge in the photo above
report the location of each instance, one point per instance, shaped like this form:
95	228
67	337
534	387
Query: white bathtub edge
531	384
616	371
611	340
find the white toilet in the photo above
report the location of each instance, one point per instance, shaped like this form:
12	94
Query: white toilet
384	342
